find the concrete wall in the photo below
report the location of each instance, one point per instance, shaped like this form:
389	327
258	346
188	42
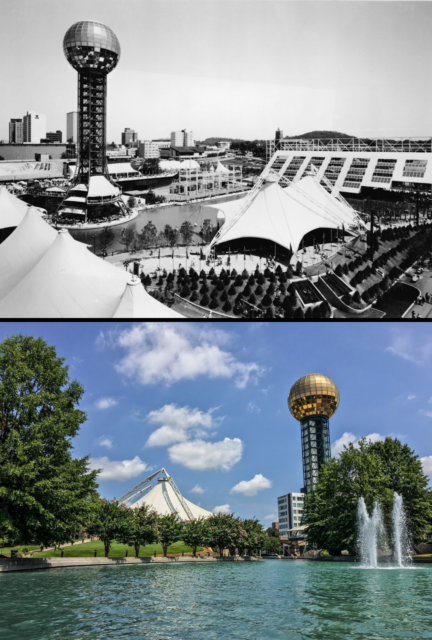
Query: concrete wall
32	564
28	151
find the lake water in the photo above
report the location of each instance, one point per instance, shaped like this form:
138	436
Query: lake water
295	600
174	215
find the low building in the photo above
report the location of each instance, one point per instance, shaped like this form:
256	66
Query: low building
275	525
148	149
26	152
290	513
53	136
195	180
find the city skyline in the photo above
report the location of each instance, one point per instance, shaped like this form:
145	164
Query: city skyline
210	404
299	66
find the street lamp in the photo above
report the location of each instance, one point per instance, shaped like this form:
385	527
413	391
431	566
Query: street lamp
94	243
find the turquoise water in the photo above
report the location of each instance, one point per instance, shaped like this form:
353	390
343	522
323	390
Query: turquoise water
251	601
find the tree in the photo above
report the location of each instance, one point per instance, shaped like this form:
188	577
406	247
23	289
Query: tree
105	238
45	493
207	230
272	532
169	529
196	533
186	232
171	235
373	471
139	528
252	535
224	531
148	235
107	521
271	544
131	202
127	237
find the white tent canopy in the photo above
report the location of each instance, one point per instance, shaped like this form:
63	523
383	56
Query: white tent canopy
12	209
163	497
23	249
284	216
137	303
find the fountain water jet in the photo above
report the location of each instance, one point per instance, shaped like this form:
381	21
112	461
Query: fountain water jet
372	534
402	545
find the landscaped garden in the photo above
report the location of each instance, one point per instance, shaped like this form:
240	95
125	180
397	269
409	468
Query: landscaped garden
117	550
259	294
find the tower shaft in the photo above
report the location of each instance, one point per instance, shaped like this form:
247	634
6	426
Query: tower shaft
92	88
315	437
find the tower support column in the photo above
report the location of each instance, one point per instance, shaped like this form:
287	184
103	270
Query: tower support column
315	438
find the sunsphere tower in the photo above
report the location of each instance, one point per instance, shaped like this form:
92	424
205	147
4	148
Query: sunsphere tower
93	50
313	400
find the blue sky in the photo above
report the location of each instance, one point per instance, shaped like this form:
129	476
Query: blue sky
235	68
209	403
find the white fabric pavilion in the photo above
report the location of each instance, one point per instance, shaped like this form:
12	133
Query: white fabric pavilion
23	249
137	303
12	209
163	499
283	216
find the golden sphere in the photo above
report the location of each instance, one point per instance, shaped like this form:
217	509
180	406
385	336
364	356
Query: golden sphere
313	395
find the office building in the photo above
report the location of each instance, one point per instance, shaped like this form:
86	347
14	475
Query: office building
129	138
290	513
182	138
72	123
34	127
148	149
53	137
16	131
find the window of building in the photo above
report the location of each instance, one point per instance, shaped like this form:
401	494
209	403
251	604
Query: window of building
414	168
383	171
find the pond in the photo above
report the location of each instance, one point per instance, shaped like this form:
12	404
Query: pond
283	599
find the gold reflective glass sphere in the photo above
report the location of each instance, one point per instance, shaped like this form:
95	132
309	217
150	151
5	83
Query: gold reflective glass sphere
313	395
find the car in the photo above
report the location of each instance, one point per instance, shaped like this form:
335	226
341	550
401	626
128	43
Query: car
272	553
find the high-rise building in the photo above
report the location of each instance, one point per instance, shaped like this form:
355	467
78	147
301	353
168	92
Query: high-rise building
312	401
51	136
278	138
182	138
16	131
290	512
129	138
148	149
72	120
93	50
34	127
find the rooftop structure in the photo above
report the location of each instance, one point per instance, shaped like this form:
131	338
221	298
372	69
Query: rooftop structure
313	400
349	165
164	497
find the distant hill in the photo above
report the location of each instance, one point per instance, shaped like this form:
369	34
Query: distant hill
213	141
322	134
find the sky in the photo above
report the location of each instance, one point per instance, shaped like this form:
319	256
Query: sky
229	68
209	402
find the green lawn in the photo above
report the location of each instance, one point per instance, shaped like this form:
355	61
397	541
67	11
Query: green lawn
87	550
19	547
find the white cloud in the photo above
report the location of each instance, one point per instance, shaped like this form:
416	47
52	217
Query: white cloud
200	455
271	516
224	509
404	347
178	423
104	441
198	489
162	352
346	438
253	407
118	469
412	397
426	413
427	465
251	487
105	403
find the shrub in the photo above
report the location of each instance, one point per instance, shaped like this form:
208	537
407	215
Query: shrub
261	280
214	294
279	269
266	301
251	281
338	270
289	273
258	290
214	303
224	296
298	268
283	278
272	278
325	309
204	288
204	300
252	299
211	272
345	268
238	281
245	274
267	272
309	313
316	312
299	313
226	280
366	296
269	313
233	274
356	297
202	274
247	291
271	289
194	297
282	289
227	306
194	286
231	290
185	292
220	286
288	313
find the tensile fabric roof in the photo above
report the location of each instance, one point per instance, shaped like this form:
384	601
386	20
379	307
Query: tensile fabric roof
12	209
163	499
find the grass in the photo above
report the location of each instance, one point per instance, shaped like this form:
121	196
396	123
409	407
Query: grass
87	550
4	550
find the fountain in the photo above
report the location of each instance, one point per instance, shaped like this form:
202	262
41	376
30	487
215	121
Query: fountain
372	534
401	552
